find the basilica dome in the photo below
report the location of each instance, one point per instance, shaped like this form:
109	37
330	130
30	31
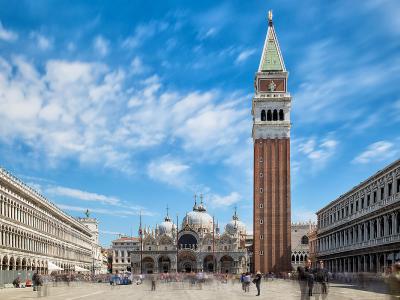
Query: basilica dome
235	225
166	227
198	218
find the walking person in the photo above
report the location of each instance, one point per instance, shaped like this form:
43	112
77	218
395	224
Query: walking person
321	278
247	279
153	282
257	282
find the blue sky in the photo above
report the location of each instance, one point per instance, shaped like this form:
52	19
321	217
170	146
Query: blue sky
125	106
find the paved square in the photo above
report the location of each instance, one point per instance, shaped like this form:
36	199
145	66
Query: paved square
277	289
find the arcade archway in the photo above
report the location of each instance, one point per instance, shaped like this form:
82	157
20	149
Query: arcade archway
227	264
187	262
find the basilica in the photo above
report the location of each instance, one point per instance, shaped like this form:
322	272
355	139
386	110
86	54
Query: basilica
198	245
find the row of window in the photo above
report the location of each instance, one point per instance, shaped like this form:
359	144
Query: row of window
272	115
15	211
364	202
380	227
28	242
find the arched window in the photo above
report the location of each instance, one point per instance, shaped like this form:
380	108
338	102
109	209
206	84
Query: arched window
263	117
269	115
275	115
304	240
281	115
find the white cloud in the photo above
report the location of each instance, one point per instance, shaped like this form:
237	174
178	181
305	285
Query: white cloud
169	170
82	110
378	151
7	35
43	42
137	66
314	152
223	201
244	55
82	195
101	45
144	32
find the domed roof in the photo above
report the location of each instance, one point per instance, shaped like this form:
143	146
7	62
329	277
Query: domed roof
235	225
198	217
167	226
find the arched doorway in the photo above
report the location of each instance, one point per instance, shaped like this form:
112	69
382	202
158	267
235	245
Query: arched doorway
209	264
18	264
4	263
227	264
187	262
11	265
24	267
148	265
164	264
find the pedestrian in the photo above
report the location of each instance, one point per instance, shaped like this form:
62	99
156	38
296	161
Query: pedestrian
257	282
242	281
321	278
153	282
247	279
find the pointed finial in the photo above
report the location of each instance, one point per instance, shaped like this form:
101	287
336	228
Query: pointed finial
270	16
167	210
201	198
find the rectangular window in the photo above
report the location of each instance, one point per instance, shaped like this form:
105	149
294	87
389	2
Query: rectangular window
261	190
261	252
261	237
261	159
398	186
261	221
356	206
351	208
261	205
374	199
368	199
390	189
261	174
382	193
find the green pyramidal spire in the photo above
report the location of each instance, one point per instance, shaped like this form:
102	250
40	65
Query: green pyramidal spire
271	59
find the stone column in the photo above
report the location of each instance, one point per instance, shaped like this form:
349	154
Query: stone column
378	227
385	225
394	223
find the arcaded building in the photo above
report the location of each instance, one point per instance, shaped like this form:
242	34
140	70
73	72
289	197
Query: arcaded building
300	242
271	137
360	230
198	245
36	234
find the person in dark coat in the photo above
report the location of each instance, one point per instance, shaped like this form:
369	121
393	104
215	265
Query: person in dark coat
321	278
257	282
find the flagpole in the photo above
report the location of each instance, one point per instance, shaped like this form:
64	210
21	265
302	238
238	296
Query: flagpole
141	244
213	246
177	231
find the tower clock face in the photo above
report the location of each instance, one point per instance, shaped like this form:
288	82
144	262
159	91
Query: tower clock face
272	85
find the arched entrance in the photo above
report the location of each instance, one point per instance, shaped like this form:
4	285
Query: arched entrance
164	264
187	241
209	264
187	262
227	264
148	265
4	263
11	265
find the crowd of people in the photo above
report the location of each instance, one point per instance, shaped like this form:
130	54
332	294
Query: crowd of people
312	282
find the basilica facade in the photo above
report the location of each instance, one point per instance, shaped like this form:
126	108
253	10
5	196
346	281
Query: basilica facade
198	245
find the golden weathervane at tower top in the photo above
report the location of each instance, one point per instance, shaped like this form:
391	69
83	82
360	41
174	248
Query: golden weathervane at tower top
270	15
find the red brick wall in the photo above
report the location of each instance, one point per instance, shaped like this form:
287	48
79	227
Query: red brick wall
275	167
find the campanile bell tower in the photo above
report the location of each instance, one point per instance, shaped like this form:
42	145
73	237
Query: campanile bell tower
271	137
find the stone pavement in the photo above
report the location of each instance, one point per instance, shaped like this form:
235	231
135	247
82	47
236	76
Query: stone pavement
277	289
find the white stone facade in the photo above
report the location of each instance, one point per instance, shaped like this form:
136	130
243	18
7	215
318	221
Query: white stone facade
34	232
197	246
300	243
360	231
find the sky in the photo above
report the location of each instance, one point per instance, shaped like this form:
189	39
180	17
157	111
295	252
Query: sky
122	107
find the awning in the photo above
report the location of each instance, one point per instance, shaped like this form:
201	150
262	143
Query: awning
79	269
53	267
